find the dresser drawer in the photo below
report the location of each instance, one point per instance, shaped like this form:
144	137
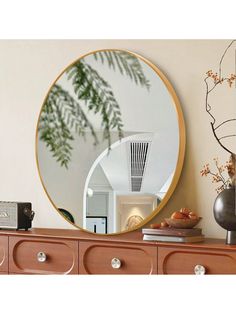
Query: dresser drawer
3	254
42	256
184	261
100	258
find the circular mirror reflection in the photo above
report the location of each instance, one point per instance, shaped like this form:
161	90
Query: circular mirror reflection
110	142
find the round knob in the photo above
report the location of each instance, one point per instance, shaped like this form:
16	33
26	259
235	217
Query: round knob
41	257
199	270
115	263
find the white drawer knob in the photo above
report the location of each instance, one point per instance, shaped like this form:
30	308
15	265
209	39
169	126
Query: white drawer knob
115	263
199	270
41	257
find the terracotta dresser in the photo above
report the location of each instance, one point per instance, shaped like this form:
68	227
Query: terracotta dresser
59	251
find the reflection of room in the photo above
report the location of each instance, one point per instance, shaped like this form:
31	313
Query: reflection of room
127	183
134	206
100	203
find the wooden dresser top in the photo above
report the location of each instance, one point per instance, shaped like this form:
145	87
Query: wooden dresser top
134	237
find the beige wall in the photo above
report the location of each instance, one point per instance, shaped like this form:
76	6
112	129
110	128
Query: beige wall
27	69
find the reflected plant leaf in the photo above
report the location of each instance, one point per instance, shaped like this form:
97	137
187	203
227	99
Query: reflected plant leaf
62	114
90	87
126	63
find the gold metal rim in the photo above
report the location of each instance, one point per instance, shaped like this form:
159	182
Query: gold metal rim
182	141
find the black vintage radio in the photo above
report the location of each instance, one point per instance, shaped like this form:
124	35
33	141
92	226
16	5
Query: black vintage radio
16	215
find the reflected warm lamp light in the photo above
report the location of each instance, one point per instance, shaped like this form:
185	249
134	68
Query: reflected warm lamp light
89	192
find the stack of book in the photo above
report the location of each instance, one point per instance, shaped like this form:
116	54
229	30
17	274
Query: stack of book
173	235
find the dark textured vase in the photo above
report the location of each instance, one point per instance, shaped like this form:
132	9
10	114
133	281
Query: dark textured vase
225	213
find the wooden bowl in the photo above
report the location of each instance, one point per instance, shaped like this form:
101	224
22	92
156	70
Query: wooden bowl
182	223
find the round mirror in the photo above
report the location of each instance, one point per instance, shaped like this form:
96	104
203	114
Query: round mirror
110	142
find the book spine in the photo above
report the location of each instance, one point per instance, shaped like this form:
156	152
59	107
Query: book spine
173	239
188	233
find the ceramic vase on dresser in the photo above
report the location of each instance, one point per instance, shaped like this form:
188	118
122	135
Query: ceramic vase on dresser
225	213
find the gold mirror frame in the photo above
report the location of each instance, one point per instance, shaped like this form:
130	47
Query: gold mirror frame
182	140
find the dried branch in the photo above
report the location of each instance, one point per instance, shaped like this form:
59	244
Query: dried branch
224	123
222	58
218	177
226	136
218	79
216	137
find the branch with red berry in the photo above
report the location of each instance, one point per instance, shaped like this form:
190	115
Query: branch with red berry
218	175
212	80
